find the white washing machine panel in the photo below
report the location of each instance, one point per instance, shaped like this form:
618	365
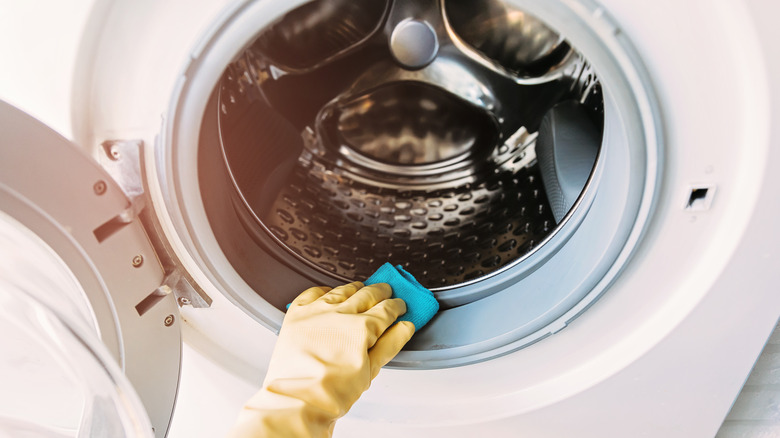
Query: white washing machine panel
663	351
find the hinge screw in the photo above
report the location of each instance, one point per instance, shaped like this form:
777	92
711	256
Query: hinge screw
138	261
168	320
100	187
114	152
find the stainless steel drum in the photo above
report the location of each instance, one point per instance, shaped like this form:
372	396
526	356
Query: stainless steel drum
403	131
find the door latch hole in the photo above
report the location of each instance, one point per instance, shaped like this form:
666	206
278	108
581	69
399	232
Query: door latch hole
699	198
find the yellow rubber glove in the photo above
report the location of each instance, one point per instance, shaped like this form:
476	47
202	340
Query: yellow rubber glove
331	345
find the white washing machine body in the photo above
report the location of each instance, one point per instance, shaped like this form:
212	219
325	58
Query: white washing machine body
663	351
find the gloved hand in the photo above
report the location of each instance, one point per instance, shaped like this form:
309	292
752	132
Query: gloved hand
331	345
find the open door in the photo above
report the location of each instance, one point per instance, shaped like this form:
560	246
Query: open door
87	288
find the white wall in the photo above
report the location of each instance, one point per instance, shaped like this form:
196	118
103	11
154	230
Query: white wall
37	60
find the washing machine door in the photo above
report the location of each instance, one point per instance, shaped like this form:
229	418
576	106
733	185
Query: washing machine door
93	323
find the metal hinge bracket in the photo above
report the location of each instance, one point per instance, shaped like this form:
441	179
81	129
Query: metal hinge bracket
123	160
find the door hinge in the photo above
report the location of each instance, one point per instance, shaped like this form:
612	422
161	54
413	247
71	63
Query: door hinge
124	162
122	159
185	293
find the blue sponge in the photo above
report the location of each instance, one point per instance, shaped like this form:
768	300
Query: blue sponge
420	303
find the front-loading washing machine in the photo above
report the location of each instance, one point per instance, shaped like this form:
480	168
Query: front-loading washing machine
551	170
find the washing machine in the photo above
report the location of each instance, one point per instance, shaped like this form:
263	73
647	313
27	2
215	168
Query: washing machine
586	187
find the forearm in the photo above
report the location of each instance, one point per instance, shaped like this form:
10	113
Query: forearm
305	395
271	415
